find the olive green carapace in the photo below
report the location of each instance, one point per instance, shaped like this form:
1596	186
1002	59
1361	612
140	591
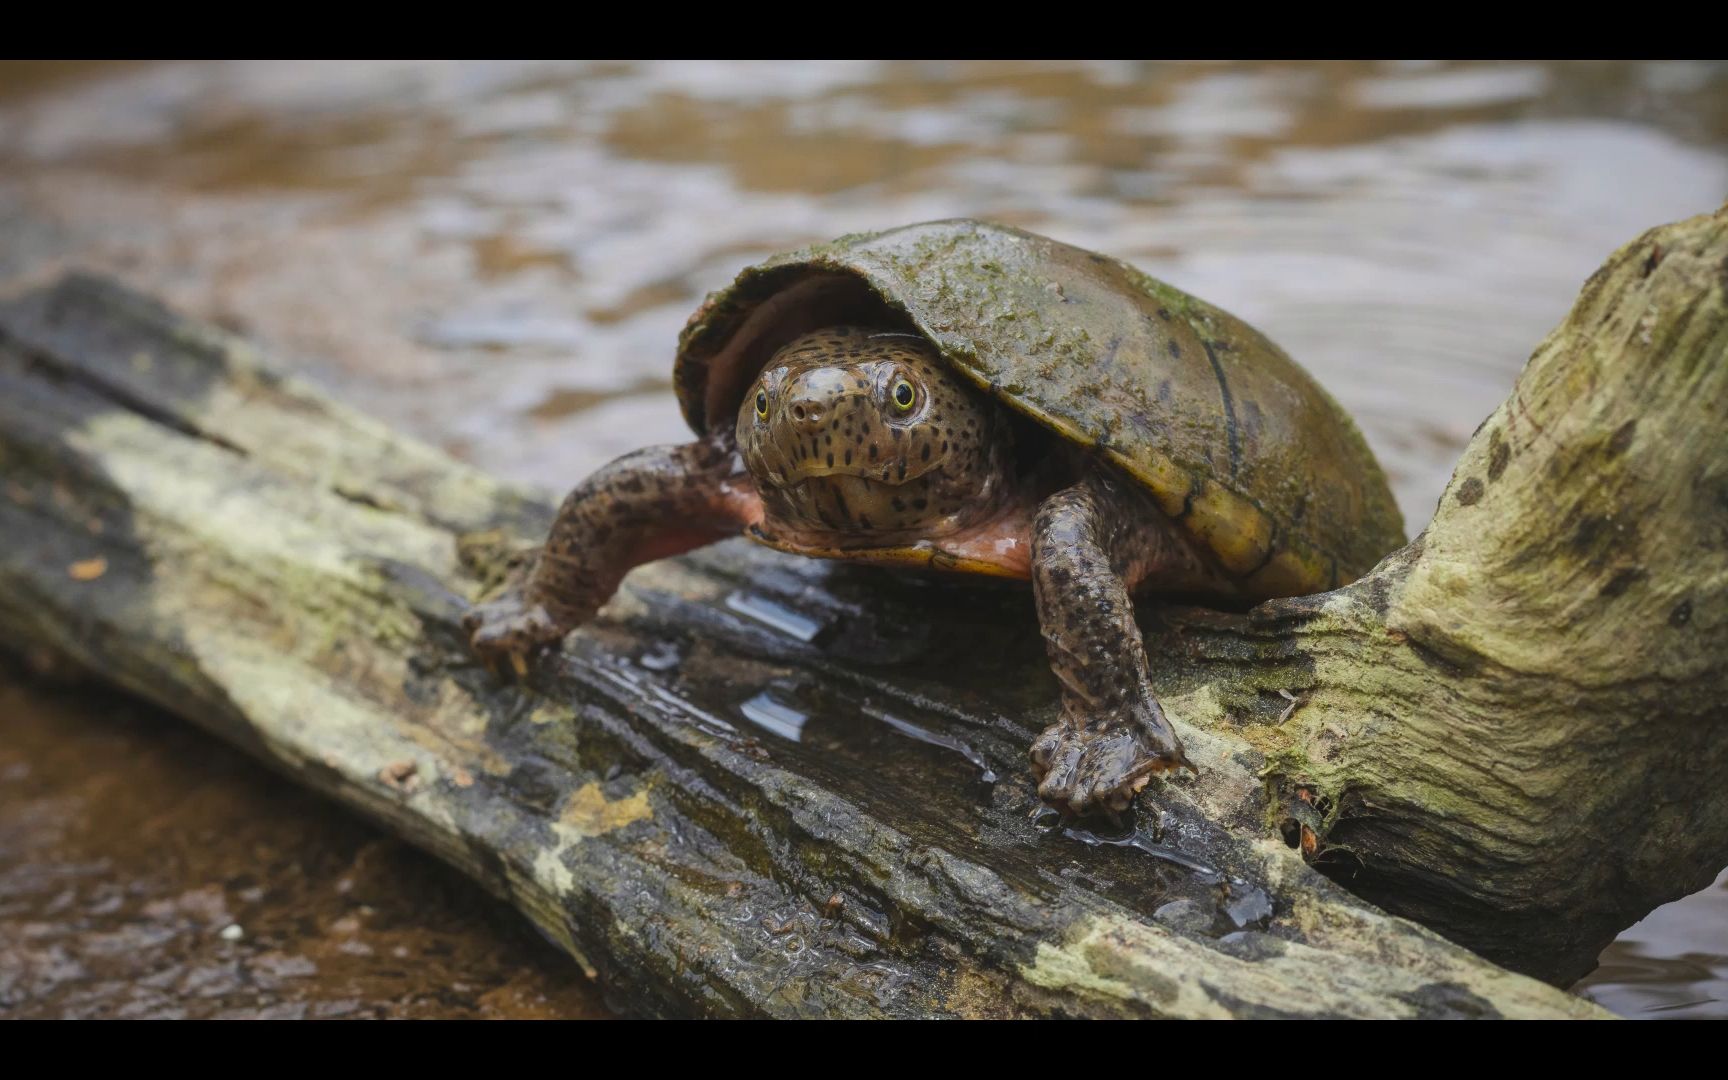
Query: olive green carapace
1232	438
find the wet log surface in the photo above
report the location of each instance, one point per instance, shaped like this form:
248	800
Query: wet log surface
761	785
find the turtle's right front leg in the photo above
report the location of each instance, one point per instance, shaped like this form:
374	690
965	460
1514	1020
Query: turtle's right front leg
647	505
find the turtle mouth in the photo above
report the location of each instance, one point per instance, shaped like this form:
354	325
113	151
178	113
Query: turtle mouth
891	474
843	503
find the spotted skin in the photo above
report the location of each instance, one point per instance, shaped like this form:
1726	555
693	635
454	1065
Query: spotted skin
647	505
864	439
1093	545
852	442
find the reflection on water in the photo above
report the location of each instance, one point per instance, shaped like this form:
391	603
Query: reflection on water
498	256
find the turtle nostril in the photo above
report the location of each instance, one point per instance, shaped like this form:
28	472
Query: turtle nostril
797	412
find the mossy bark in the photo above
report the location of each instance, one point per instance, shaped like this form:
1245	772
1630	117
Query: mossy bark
760	785
1516	729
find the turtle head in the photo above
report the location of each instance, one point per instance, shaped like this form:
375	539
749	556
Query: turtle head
866	437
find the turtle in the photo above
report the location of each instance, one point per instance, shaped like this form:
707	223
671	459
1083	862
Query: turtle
975	398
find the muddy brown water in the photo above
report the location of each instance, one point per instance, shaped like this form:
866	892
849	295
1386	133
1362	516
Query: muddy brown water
149	871
497	257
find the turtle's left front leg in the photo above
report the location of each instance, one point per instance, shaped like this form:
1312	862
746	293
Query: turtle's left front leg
1092	545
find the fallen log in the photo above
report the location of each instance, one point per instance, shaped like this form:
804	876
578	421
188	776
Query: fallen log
760	785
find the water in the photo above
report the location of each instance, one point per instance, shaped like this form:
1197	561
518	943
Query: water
498	257
794	624
148	871
772	715
1672	965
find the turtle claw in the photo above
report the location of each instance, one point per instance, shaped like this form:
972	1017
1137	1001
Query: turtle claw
507	631
1084	769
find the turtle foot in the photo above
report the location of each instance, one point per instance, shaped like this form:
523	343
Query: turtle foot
1085	768
507	631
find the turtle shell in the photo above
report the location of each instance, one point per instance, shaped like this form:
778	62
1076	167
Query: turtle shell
1234	440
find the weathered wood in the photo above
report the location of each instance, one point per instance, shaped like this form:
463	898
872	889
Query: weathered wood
1516	730
286	573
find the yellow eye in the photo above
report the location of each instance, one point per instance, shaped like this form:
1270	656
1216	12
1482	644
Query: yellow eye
761	404
904	395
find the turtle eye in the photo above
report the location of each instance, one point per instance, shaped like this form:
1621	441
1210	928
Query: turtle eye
761	404
904	395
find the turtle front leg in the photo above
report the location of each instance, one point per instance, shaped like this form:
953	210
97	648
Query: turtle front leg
1092	545
644	506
